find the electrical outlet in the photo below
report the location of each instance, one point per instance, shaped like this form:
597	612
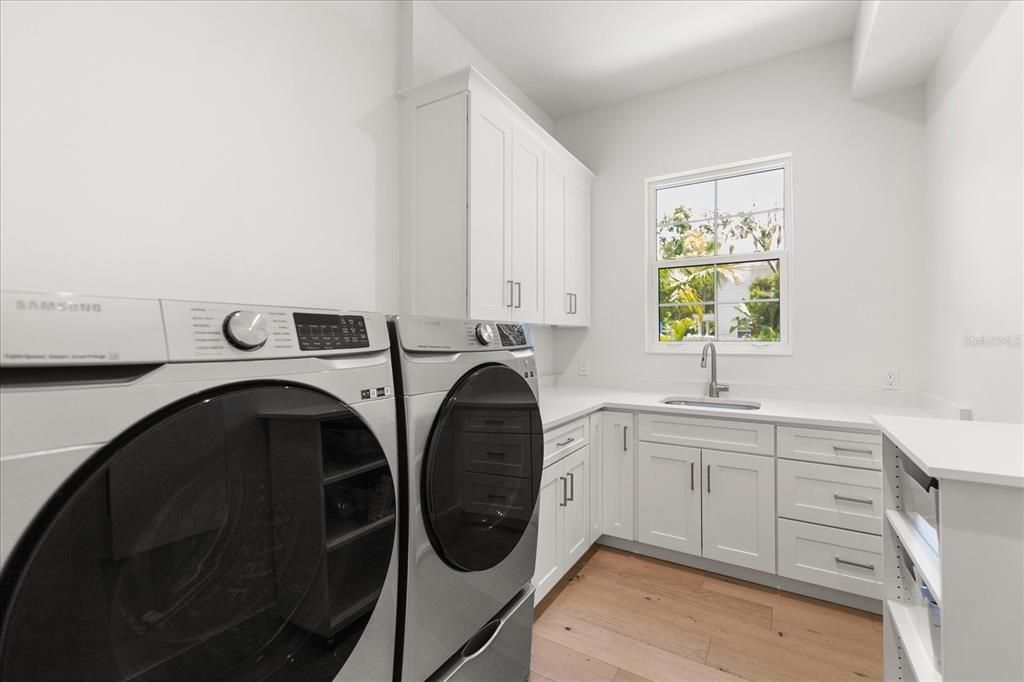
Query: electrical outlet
891	379
584	368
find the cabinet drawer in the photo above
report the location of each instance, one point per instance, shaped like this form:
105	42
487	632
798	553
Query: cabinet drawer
834	496
862	450
840	559
700	432
567	438
495	420
504	454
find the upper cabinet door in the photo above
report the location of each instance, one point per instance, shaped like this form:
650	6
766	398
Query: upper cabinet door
527	228
557	304
669	502
577	250
491	289
739	509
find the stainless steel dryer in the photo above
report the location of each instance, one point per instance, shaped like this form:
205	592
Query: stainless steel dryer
195	491
473	455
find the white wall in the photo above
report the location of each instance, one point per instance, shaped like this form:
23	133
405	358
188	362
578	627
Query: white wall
436	48
975	215
857	286
228	151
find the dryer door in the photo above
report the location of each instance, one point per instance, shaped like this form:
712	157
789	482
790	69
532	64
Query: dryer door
482	468
239	534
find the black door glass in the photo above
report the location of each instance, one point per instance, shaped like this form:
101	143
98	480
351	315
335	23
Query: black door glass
483	467
243	534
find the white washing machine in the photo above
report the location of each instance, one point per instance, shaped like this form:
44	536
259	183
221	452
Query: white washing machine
195	491
473	457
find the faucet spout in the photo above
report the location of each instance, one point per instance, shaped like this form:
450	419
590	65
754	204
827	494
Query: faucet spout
714	388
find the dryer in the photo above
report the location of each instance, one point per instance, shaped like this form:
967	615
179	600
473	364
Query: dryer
195	491
472	452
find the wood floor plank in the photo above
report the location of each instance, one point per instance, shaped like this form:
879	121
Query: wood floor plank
559	662
641	619
538	677
622	651
766	596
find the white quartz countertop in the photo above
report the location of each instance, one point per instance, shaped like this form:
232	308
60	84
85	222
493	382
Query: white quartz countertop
559	405
979	452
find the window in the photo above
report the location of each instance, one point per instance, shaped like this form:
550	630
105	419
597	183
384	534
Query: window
718	243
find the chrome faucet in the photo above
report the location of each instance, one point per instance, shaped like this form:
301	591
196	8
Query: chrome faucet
714	388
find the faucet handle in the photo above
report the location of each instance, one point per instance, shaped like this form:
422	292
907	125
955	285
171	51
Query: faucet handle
722	388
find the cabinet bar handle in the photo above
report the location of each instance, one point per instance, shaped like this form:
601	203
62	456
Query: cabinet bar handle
573	303
856	451
493	453
852	499
568	303
691	475
565	442
572	487
625	447
565	495
511	298
709	478
866	567
519	294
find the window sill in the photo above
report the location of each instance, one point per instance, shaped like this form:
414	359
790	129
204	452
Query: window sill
723	348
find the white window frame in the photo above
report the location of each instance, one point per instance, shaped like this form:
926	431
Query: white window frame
784	255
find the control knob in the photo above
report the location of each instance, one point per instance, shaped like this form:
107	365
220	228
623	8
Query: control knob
485	333
246	330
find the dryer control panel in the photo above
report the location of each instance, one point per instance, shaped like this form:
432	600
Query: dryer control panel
222	331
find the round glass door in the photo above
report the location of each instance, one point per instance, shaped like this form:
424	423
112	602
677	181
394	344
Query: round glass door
482	468
240	534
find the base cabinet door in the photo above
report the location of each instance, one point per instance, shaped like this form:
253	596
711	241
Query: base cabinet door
738	511
576	527
618	458
549	551
669	513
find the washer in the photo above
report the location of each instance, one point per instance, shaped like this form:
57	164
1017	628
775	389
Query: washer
195	491
473	456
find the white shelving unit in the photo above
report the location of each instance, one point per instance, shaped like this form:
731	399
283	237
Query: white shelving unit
967	478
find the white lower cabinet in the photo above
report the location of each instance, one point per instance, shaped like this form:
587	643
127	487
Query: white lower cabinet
564	532
720	505
739	509
618	489
840	559
669	502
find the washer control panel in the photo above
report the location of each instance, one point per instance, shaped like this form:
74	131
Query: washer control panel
317	331
512	334
222	331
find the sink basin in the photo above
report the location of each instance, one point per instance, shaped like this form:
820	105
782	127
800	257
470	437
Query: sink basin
716	403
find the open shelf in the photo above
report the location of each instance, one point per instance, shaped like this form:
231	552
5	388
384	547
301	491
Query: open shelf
916	644
925	559
341	532
342	620
334	472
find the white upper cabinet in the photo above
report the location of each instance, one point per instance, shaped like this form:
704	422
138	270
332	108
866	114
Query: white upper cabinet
490	212
498	216
567	245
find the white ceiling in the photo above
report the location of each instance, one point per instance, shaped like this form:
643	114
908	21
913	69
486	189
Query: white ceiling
573	55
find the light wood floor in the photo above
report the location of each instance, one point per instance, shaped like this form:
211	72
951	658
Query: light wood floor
625	617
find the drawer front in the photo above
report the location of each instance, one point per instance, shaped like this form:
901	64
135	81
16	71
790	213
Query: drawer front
835	496
567	438
717	434
863	450
495	420
840	559
503	454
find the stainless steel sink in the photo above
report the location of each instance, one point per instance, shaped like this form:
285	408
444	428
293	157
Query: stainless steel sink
716	403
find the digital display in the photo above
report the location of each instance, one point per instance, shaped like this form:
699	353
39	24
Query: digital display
330	332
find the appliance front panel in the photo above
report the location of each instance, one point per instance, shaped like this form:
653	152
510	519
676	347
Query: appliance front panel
446	605
244	531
